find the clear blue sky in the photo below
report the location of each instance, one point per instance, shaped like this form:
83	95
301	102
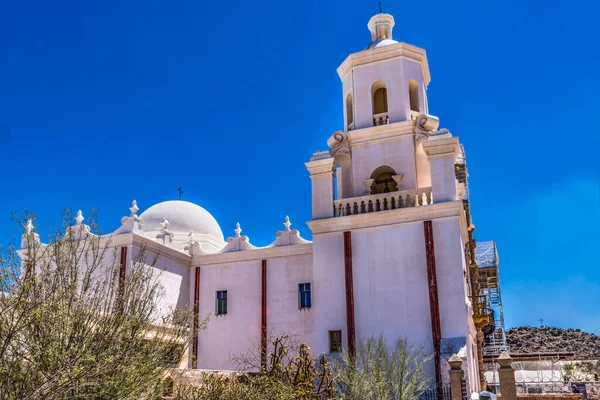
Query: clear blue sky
104	102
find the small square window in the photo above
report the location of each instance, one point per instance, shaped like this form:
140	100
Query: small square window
335	341
304	299
222	302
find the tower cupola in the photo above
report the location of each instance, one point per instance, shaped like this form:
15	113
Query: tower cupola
381	26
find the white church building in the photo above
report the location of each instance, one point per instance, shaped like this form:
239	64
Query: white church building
389	234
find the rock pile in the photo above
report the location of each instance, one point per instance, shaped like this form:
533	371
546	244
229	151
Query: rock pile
525	339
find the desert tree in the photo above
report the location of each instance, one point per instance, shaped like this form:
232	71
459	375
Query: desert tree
74	325
378	372
288	372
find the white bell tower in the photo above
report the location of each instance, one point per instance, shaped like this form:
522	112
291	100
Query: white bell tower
386	82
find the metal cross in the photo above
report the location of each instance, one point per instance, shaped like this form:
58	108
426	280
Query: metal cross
541	322
380	10
180	190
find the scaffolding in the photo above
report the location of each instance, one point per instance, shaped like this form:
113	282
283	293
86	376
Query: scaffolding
486	258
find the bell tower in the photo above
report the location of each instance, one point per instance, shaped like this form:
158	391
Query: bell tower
386	82
388	249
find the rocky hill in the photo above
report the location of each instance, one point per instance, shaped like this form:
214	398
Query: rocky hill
525	339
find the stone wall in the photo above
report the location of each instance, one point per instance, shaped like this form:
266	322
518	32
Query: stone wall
548	396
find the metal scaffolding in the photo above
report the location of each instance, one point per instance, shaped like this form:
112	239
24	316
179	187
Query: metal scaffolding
486	258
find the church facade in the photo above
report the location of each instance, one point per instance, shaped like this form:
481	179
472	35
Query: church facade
390	234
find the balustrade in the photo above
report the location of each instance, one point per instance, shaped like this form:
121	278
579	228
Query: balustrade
383	202
381	119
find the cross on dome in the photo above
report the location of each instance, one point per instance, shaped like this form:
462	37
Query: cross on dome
237	229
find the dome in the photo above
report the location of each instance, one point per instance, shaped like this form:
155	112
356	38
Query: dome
183	217
380	43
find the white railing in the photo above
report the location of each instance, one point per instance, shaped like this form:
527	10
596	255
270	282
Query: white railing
381	119
383	202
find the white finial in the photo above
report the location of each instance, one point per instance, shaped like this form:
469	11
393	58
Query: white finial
287	223
134	208
237	230
29	227
164	223
79	218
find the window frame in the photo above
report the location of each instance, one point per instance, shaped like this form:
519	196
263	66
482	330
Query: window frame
218	303
301	292
338	348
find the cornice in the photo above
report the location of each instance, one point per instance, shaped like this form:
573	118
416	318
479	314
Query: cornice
372	56
450	209
155	247
321	166
381	133
437	148
253	255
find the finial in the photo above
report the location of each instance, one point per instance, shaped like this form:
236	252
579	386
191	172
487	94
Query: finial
79	218
29	227
237	229
180	190
287	223
380	9
134	208
164	223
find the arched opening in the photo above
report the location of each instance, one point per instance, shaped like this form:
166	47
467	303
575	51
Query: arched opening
413	95
383	181
349	113
380	103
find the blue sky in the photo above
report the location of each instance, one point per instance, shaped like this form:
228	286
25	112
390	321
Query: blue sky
104	102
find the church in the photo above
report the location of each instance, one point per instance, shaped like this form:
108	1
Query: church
391	250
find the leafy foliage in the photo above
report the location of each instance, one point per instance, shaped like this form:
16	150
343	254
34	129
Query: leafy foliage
71	326
376	373
286	375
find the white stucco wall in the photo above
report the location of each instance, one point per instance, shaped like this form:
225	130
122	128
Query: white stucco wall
329	306
450	277
395	74
173	275
283	313
398	154
391	294
230	334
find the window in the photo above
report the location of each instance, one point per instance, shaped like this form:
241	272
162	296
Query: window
380	104
349	112
222	302
384	181
380	101
413	94
335	341
304	295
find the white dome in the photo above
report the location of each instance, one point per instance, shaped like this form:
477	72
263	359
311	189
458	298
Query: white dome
183	216
380	43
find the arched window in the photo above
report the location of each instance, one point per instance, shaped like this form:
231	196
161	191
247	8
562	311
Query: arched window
413	95
380	103
349	113
383	180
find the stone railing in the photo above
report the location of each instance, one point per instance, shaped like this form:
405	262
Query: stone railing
383	202
381	119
